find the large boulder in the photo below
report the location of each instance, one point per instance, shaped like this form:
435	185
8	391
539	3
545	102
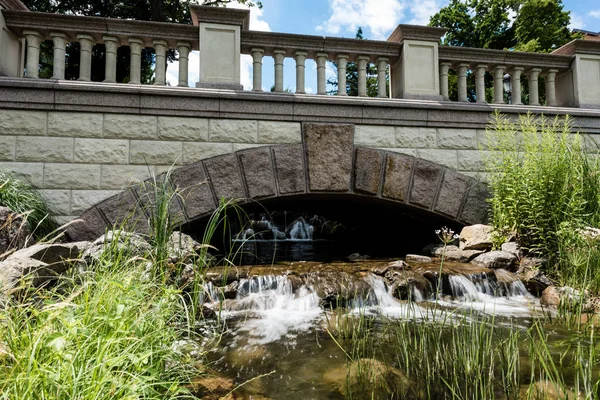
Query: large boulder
476	237
451	252
554	296
14	230
182	248
132	244
496	259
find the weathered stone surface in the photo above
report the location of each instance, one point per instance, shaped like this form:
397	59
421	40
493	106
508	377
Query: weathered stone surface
550	297
476	237
329	156
224	174
182	128
182	247
193	152
130	243
496	259
475	208
11	272
447	158
126	126
452	191
367	170
424	183
555	295
414	137
192	184
74	124
101	151
121	176
71	176
375	136
536	281
452	252
457	138
418	258
279	132
21	122
53	253
123	211
88	226
233	130
258	172
472	160
398	169
58	201
81	200
7	148
155	152
147	193
31	172
46	149
512	247
289	168
13	230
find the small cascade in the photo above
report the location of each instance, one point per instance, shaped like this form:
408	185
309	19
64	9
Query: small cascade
477	286
301	230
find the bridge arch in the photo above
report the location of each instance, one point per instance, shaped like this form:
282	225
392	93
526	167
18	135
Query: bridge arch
326	163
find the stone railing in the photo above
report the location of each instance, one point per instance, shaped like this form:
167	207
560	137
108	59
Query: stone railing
418	67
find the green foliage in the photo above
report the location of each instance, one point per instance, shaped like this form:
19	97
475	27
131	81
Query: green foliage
22	198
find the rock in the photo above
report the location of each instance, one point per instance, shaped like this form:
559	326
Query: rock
536	281
133	244
550	297
476	237
546	390
14	231
496	259
212	387
554	296
504	276
453	252
336	287
512	248
399	264
358	257
404	285
418	258
529	263
12	272
182	248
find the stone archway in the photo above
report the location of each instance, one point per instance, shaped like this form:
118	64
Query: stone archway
327	162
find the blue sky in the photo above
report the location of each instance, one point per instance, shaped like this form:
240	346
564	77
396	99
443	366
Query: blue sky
378	18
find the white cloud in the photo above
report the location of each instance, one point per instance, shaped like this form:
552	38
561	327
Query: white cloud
577	21
379	16
256	23
309	90
594	13
423	10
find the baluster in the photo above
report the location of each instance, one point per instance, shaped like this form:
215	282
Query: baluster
462	81
382	63
499	84
342	61
183	49
279	56
160	69
257	57
362	62
110	70
60	45
135	68
321	72
444	68
534	97
551	87
300	71
86	43
480	83
515	82
34	39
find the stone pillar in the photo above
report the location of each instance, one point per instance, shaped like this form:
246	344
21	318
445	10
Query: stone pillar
160	69
480	83
382	63
534	96
300	71
60	45
279	56
362	62
461	71
499	84
257	57
110	70
86	43
34	39
515	82
321	72
183	49
444	68
135	68
342	61
551	87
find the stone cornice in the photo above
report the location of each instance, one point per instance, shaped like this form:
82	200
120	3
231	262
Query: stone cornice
490	57
579	46
416	32
71	25
220	15
13	5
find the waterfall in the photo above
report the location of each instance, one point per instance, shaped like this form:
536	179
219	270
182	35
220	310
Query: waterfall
301	230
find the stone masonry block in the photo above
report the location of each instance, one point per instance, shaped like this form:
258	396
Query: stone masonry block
152	190
290	170
375	136
279	132
182	128
246	146
193	152
125	126
414	137
456	138
155	152
74	124
472	160
257	167
7	148
329	151
120	176
398	169
225	176
408	152
31	172
81	200
45	149
233	131
22	122
58	201
475	207
192	184
124	211
102	151
91	226
425	182
447	158
452	191
71	176
367	170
